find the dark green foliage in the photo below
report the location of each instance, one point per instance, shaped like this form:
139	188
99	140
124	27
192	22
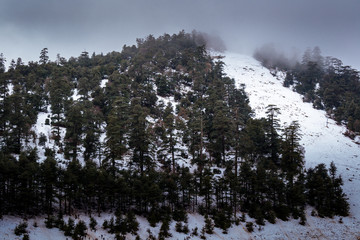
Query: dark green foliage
164	229
250	226
69	227
271	216
185	229
92	224
42	139
122	224
182	228
325	193
180	214
105	224
131	223
153	218
222	220
74	130
60	223
116	129
50	221
259	216
178	226
21	229
44	58
194	232
79	230
302	219
139	137
209	225
282	212
243	217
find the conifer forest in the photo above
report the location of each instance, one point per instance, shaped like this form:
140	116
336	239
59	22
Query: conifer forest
158	130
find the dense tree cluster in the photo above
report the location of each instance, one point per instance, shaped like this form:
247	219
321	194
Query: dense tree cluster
324	81
123	147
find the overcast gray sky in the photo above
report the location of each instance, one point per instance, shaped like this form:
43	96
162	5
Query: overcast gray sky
69	27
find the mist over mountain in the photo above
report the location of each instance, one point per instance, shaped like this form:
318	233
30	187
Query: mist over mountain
70	27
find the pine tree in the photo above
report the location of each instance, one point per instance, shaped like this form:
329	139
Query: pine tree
170	138
92	224
164	229
28	177
60	89
292	160
117	130
339	204
139	137
2	63
272	135
19	118
4	113
194	136
92	128
71	182
324	191
44	58
221	131
49	173
74	130
209	225
131	223
79	230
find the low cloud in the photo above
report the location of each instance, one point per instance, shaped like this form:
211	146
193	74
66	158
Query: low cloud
69	27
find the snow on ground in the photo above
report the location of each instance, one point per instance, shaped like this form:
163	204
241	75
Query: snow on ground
103	83
76	96
10	87
322	138
41	128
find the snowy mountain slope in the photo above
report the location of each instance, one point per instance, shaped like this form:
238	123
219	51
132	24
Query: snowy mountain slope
322	138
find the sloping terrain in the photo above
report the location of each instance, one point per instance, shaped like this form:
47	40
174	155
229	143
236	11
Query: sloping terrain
322	140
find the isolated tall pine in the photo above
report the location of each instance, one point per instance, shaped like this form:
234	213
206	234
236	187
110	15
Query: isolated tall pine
44	58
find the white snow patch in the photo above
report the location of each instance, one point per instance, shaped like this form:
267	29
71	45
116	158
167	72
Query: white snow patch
103	83
10	87
76	96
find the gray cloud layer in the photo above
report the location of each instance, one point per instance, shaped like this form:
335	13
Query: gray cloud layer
71	26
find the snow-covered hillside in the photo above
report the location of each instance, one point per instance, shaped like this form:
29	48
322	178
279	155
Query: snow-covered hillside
322	139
